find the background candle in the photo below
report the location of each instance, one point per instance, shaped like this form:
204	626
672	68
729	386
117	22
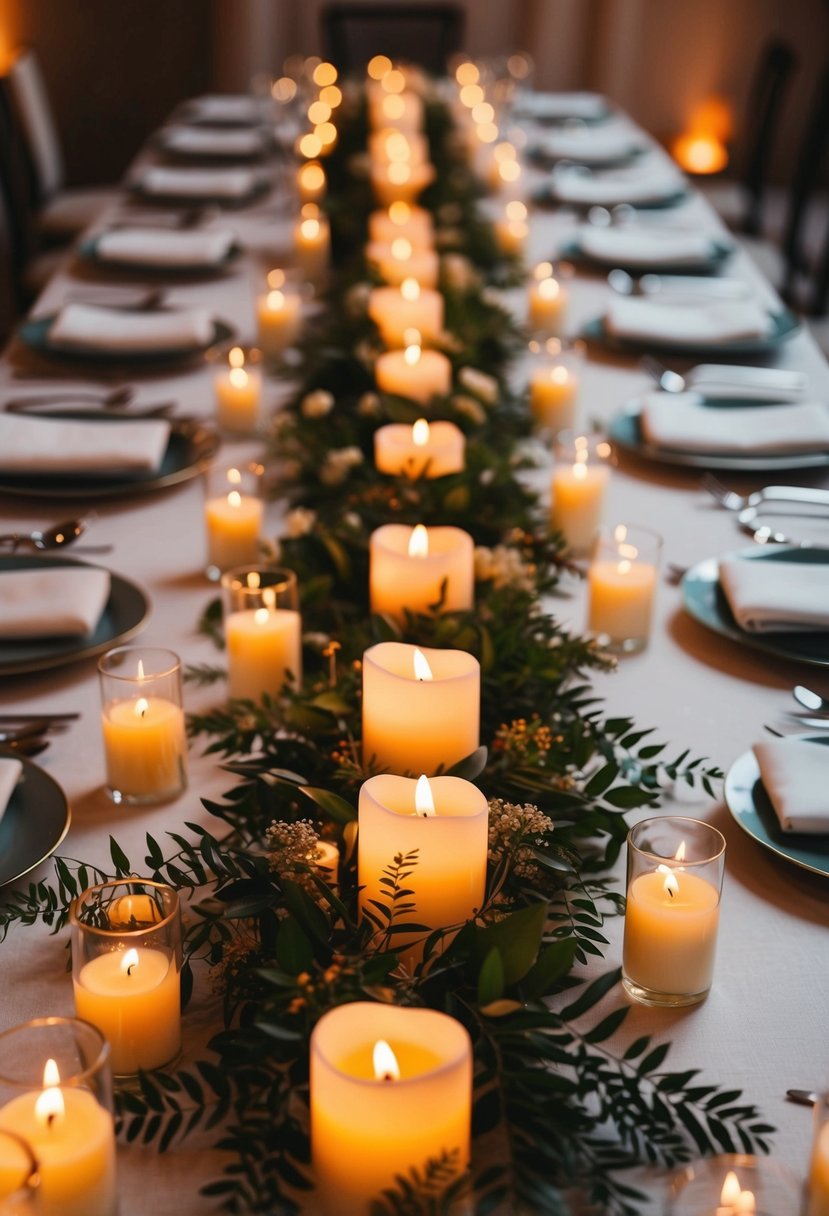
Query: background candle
410	568
402	219
426	449
622	586
238	394
400	260
312	243
263	631
278	316
311	182
547	302
415	373
554	394
233	513
579	487
364	1129
418	725
394	310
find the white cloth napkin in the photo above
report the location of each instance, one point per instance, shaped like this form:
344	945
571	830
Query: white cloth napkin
557	106
747	383
59	601
197	183
226	107
90	327
645	245
207	141
648	181
63	445
590	145
157	247
10	771
796	775
682	422
767	597
687	324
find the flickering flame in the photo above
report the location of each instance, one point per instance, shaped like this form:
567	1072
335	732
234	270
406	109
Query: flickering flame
548	289
679	855
400	212
745	1204
141	669
49	1104
731	1190
411	355
378	66
418	542
401	248
410	289
238	377
236	357
275	301
386	1067
424	802
324	73
580	470
420	433
620	533
559	374
51	1075
129	961
276	278
234	499
422	669
670	885
141	707
623	567
260	616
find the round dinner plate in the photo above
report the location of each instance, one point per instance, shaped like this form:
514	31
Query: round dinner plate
125	614
257	191
625	430
721	251
748	802
89	251
704	600
36	820
35	334
784	326
547	196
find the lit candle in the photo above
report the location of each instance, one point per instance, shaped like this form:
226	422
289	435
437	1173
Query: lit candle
733	1199
402	219
278	316
671	931
238	394
512	229
421	708
145	747
415	373
578	492
395	310
400	260
311	182
400	181
422	450
554	396
403	109
414	569
264	649
622	586
391	146
234	526
818	1186
446	820
547	301
73	1140
378	1114
312	243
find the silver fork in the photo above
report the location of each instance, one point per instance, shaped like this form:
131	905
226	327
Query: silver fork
732	501
669	381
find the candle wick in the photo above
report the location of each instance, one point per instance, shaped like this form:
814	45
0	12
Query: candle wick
129	969
387	1076
670	892
50	1119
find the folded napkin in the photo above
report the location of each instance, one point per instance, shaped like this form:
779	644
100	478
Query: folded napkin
63	445
747	383
56	601
555	107
795	775
10	771
767	597
645	182
90	327
687	324
226	107
645	245
590	145
682	422
158	247
206	141
198	183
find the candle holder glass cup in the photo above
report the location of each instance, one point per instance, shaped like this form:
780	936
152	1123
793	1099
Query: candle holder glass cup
555	372
581	475
20	1178
732	1183
237	385
816	1199
234	511
263	630
621	582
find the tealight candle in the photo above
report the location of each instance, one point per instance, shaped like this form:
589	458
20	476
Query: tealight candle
233	514
421	708
391	1089
622	585
238	394
311	182
511	229
126	960
143	724
415	373
278	316
395	310
263	631
554	396
736	1184
417	569
312	243
402	219
547	302
675	870
327	861
817	1187
425	449
579	487
400	260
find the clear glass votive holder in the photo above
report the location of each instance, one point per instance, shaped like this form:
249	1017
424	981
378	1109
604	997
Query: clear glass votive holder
547	300
237	389
675	870
732	1184
555	384
19	1177
581	475
279	314
126	970
816	1199
234	511
621	586
56	1097
145	741
263	631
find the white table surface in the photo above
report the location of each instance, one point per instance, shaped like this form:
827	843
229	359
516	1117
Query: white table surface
763	1028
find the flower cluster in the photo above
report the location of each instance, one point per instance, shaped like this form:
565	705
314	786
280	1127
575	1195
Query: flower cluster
515	831
503	566
337	464
292	851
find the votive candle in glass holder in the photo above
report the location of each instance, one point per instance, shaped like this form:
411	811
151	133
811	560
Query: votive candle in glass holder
621	586
278	315
312	243
511	229
735	1184
547	299
579	486
675	870
263	631
126	970
233	514
238	389
145	742
817	1186
56	1097
555	385
19	1177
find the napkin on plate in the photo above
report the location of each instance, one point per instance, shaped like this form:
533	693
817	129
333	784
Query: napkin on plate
795	775
767	597
680	421
645	245
747	383
198	183
555	107
64	445
645	182
90	327
207	141
10	771
54	601
158	247
226	107
589	145
691	324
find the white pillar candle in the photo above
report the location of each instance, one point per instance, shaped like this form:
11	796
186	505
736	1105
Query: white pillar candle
373	1116
391	146
263	646
417	719
133	996
394	310
425	449
402	219
554	396
238	394
415	373
402	110
312	243
410	568
234	526
400	260
547	305
671	931
278	316
145	746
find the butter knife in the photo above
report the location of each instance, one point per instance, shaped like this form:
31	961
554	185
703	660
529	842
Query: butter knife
805	1097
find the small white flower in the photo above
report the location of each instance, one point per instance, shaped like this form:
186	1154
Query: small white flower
318	640
479	383
369	405
337	464
487	477
317	404
470	408
299	522
503	567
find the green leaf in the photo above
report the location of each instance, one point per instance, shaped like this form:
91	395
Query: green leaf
552	964
119	858
491	978
333	805
516	938
592	994
294	952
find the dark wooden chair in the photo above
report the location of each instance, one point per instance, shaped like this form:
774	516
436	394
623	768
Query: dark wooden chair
768	93
423	34
806	274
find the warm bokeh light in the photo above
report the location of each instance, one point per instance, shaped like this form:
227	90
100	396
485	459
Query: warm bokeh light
516	211
483	112
471	95
332	95
467	73
309	145
326	133
699	153
378	66
276	279
283	89
393	82
324	74
318	112
394	107
312	176
487	132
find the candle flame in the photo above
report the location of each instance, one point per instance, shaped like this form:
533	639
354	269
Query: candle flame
401	249
410	289
234	477
679	855
559	374
386	1067
49	1104
420	433
422	669
234	499
623	566
141	707
399	212
140	669
670	884
238	377
543	271
424	801
260	616
310	229
411	355
275	279
620	533
275	301
129	961
236	357
548	288
580	471
730	1190
51	1074
745	1203
419	542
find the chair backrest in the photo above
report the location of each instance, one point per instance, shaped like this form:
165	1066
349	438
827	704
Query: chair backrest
16	194
424	34
34	113
768	92
9	299
808	190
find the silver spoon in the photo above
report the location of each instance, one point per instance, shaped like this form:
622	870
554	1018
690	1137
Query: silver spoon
813	701
57	537
667	379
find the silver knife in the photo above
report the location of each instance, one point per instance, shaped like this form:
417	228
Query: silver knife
805	1097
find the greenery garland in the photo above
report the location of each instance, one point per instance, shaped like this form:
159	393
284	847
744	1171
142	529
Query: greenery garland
555	1111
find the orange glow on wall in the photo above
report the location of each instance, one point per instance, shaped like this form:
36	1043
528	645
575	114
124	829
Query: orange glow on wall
702	146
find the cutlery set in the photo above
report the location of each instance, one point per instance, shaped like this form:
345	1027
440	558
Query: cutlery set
25	734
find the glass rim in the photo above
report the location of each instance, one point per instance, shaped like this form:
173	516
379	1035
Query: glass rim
687	863
286	578
607	531
75	1080
74	918
169	670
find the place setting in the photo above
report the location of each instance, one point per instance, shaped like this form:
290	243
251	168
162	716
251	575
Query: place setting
649	183
224	186
639	247
34	814
608	145
194	142
153	249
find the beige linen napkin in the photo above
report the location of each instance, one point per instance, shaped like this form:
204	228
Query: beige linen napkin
207	141
645	245
226	107
56	601
90	327
64	445
796	777
687	324
157	247
645	182
590	145
769	597
198	183
681	422
10	771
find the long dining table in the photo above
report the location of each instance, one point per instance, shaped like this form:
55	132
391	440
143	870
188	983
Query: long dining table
762	1029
